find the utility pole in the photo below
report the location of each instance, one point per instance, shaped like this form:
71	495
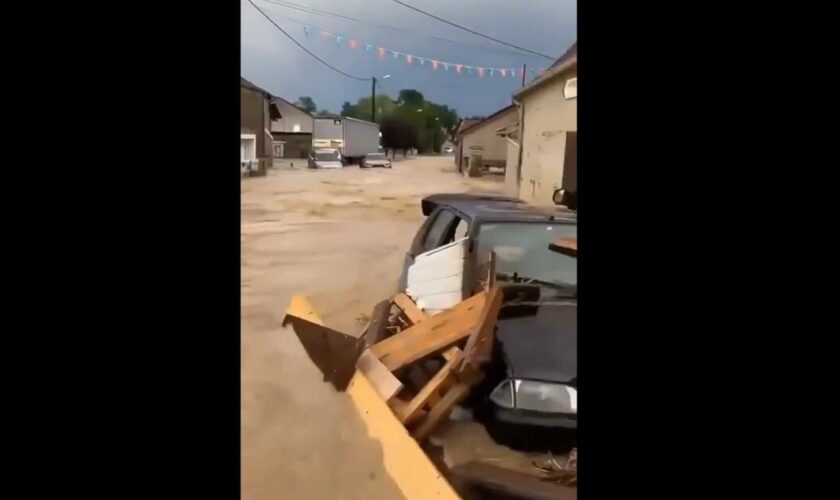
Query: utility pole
373	100
523	75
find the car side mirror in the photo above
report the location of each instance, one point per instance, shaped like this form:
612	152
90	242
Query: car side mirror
557	197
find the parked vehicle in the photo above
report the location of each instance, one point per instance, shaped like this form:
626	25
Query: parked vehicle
354	138
530	390
376	160
325	158
448	149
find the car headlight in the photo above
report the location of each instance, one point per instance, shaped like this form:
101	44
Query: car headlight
535	396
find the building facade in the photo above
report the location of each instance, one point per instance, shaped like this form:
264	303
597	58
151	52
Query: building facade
547	133
480	138
292	132
255	114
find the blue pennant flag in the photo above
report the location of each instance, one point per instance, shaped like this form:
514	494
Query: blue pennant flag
306	30
338	39
491	71
422	61
396	54
368	47
469	70
446	66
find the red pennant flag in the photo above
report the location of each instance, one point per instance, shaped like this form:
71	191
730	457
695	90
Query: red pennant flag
480	72
458	68
434	64
503	72
381	52
353	43
408	58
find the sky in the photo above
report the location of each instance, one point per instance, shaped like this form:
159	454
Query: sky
272	61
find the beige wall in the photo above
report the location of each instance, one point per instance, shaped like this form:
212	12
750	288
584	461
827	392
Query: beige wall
492	147
548	116
291	116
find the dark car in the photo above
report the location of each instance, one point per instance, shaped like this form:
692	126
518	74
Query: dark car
532	380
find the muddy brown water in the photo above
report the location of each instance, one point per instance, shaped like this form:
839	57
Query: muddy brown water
340	237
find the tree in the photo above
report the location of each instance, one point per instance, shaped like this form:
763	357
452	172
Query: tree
384	107
410	96
429	123
306	103
324	112
398	134
348	109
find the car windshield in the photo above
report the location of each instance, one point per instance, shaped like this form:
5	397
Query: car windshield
522	251
326	155
376	156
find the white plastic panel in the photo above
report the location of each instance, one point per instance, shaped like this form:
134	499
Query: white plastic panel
435	280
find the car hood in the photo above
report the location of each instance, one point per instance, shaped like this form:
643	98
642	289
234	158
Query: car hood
328	164
540	341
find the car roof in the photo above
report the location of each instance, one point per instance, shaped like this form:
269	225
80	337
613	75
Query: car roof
497	208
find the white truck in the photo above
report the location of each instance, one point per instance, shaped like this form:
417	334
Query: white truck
354	138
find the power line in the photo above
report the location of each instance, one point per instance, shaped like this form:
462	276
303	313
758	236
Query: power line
348	19
290	37
471	31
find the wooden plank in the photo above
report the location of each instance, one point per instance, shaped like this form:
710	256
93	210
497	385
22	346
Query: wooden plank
409	308
378	324
453	353
432	335
500	482
398	405
441	410
385	383
404	461
567	245
431	388
479	346
301	307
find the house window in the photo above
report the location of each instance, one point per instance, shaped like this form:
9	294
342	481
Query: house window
570	89
296	127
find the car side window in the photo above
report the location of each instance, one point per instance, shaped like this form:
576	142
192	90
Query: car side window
437	231
461	229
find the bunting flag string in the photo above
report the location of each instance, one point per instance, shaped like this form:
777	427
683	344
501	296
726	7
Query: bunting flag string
410	58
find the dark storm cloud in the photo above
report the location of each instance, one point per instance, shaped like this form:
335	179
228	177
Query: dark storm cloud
272	61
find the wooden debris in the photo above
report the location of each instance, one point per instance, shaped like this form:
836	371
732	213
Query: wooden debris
441	410
409	308
385	383
479	346
567	245
431	335
431	388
